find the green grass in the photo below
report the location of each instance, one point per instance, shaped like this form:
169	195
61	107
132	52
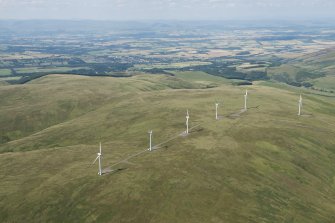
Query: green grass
173	65
4	79
5	72
200	77
327	83
2	82
312	68
46	70
265	165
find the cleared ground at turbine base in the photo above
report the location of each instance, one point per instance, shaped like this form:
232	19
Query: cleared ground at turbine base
263	165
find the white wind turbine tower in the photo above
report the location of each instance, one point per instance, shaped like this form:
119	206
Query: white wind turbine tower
245	99
187	118
150	142
99	159
216	110
300	105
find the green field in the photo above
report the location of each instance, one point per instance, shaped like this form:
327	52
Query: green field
327	83
316	68
5	79
201	78
263	165
5	72
173	65
46	70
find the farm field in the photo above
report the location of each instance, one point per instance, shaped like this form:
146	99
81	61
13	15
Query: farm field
263	165
327	83
5	72
46	70
243	52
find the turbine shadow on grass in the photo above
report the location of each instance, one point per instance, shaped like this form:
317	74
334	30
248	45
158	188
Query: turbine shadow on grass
198	129
255	107
108	170
237	114
306	115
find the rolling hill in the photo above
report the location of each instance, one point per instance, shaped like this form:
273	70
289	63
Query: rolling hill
263	165
310	70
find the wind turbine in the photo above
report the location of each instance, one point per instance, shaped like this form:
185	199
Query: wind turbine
99	158
245	99
216	110
150	142
300	105
187	118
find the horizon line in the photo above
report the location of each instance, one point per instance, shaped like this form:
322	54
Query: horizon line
265	20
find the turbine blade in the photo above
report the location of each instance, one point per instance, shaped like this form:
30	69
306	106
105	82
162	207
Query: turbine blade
95	159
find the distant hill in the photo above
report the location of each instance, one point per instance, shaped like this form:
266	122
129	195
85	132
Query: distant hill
307	70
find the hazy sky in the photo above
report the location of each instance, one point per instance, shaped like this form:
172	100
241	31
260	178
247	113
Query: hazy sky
167	9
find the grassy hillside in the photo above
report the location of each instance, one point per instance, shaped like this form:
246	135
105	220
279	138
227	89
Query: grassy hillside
325	83
263	165
313	69
43	103
5	72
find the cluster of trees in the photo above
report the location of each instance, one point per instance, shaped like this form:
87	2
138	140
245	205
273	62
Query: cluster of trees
240	83
230	72
113	70
42	62
27	78
303	75
159	71
4	139
323	90
117	68
300	79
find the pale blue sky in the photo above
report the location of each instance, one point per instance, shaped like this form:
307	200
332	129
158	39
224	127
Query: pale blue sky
167	9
